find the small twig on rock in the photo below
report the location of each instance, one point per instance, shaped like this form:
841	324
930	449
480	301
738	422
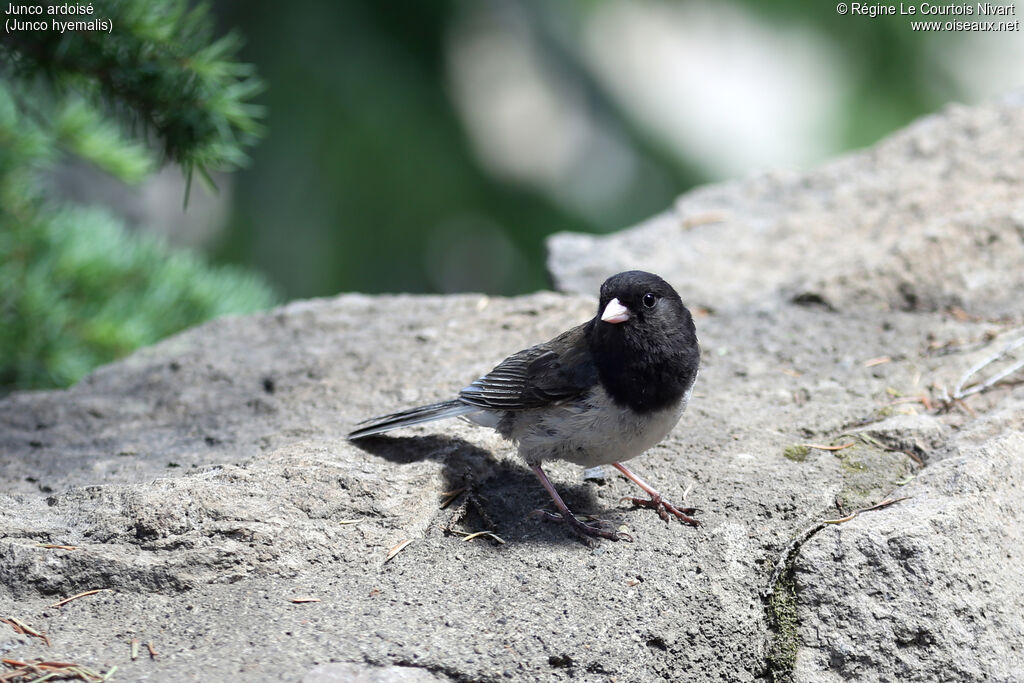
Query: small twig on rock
40	670
922	399
472	499
961	391
489	534
913	456
450	496
793	547
878	506
839	504
61	603
21	627
967	409
826	448
397	548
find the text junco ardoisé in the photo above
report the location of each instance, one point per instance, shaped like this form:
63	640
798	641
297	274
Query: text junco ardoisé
599	394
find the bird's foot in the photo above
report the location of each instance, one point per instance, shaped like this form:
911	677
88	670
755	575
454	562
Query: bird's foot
664	508
597	528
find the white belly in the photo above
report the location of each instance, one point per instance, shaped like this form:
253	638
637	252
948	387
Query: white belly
597	432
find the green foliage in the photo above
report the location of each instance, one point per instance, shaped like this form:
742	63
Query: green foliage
83	130
157	68
372	169
80	291
76	288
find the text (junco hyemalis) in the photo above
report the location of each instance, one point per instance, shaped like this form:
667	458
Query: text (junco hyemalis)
599	394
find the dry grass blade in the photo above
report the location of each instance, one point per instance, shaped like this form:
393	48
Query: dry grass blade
153	654
967	409
61	603
397	548
878	506
488	534
299	601
345	522
871	441
826	448
913	456
21	627
960	314
39	670
877	361
705	218
54	546
450	496
922	399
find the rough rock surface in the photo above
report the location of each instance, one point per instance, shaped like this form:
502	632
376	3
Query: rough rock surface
930	220
206	483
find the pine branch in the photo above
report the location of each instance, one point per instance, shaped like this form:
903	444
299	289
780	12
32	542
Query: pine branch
158	69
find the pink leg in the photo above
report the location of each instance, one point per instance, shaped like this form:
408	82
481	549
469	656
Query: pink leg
566	516
656	502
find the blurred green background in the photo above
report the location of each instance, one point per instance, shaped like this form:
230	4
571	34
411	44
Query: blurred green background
431	146
405	147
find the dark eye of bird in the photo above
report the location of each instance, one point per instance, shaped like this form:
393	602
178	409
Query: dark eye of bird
650	300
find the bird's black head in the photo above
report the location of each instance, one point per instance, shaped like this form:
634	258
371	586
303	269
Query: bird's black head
643	341
635	299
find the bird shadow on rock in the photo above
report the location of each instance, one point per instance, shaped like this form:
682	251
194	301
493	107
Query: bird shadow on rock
497	495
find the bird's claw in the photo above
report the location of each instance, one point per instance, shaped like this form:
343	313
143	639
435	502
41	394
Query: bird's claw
664	507
597	529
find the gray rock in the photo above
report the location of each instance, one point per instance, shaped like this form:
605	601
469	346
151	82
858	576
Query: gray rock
916	434
360	673
928	218
932	592
206	481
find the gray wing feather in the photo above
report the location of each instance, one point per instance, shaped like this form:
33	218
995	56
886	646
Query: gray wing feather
413	416
548	373
538	376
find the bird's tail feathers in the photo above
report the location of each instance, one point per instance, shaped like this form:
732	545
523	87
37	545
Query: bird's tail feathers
413	416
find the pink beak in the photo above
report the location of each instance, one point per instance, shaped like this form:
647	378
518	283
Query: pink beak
615	312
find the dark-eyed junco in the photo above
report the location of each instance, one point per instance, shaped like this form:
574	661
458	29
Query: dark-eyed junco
599	394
